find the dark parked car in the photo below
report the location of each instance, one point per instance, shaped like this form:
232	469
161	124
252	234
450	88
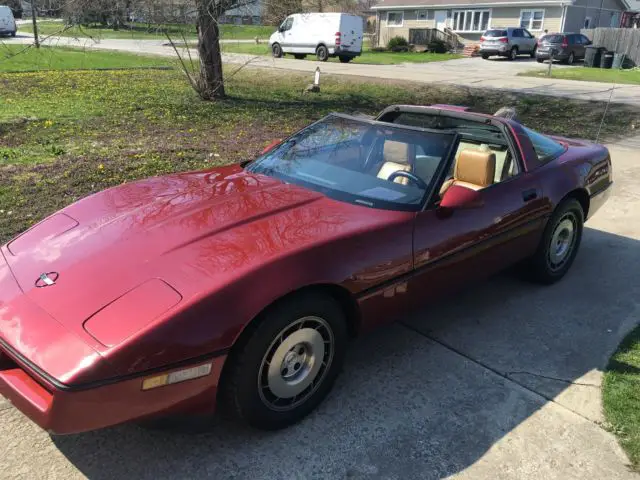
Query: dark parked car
239	287
566	47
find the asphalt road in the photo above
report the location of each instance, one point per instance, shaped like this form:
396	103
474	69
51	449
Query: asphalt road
495	73
500	381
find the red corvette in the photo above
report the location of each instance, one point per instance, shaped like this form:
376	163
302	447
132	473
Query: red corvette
239	287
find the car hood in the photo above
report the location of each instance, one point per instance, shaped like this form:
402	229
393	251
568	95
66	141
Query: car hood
107	244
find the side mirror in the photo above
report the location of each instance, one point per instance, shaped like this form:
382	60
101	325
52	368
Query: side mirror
461	198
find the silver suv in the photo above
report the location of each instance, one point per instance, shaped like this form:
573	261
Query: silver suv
507	42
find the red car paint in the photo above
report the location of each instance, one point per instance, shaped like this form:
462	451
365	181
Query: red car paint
167	272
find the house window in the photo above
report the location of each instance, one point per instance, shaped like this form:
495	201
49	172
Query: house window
471	20
423	16
395	19
532	19
587	22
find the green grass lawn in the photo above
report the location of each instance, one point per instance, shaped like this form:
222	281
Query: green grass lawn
143	31
369	57
621	396
77	132
20	58
590	75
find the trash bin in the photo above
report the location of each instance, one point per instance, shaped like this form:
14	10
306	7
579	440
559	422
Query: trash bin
592	56
618	59
606	61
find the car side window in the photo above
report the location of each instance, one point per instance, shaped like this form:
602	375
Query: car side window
517	33
585	40
574	40
526	33
287	24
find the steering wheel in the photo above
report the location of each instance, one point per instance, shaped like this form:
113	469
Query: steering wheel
410	176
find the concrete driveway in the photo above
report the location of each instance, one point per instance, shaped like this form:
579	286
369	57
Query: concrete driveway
502	381
495	73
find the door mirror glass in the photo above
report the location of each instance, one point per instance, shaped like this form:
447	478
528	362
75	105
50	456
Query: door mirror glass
461	198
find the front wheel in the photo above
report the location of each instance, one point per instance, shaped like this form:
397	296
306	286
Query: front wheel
560	243
276	50
485	56
533	52
322	53
13	34
287	365
539	60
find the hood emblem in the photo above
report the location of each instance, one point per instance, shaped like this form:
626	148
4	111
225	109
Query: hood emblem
47	279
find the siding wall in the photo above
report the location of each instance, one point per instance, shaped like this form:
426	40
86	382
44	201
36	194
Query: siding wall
577	14
499	17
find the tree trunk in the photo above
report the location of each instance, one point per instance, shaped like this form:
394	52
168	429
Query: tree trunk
210	83
34	19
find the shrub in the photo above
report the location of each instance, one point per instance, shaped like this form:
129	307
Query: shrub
398	43
438	46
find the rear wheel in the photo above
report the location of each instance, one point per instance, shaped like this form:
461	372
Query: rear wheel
571	58
344	59
539	60
287	365
485	56
322	53
513	53
276	50
560	243
299	56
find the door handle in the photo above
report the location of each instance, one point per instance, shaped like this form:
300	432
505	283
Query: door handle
529	195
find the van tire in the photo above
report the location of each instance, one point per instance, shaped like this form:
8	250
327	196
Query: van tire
13	34
322	53
345	59
276	50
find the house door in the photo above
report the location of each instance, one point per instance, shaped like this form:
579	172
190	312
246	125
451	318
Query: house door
441	19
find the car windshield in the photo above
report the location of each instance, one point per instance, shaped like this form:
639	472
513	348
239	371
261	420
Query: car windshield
495	33
545	147
361	161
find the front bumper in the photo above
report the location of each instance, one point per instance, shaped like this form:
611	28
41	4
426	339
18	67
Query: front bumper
61	409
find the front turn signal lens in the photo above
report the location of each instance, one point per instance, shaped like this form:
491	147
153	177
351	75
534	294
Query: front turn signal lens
176	377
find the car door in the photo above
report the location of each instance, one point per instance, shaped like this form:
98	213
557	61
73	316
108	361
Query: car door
286	30
454	247
530	40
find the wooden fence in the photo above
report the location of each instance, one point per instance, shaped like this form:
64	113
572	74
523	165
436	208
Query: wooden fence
619	40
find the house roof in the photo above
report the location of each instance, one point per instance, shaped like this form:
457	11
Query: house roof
410	4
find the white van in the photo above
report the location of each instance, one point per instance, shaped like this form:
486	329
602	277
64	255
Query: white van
7	22
322	34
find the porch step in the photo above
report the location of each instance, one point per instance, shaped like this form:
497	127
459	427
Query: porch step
470	50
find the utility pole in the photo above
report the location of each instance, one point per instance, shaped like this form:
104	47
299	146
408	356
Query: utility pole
34	18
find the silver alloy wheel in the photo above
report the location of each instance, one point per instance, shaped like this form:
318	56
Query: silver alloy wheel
295	363
514	53
571	58
563	241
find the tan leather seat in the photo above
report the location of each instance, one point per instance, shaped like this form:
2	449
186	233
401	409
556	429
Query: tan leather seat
396	156
475	169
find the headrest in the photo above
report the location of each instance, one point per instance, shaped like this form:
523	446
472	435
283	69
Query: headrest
476	167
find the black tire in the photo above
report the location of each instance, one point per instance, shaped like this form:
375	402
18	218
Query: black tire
246	390
570	59
485	56
299	56
345	59
322	53
533	52
541	267
13	34
276	50
513	53
539	60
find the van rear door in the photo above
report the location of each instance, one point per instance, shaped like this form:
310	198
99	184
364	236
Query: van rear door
6	19
351	31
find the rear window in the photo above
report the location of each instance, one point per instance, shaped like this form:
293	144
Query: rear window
553	38
495	33
546	148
